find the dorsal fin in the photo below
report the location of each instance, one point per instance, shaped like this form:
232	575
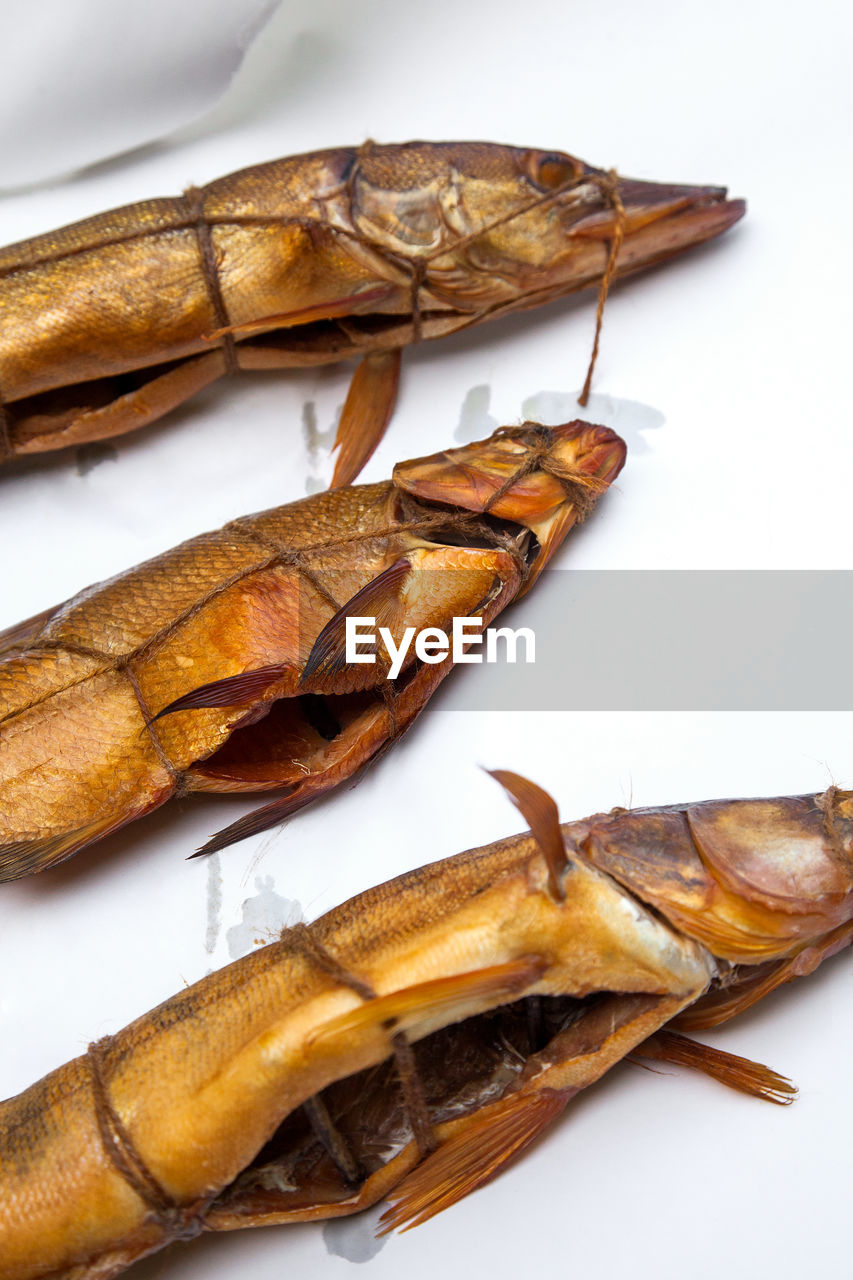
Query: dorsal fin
539	809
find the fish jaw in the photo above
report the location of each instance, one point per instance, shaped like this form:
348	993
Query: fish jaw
660	220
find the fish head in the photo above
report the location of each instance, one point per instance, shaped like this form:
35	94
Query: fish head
502	228
545	479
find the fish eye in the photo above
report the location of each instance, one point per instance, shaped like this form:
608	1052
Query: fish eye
552	170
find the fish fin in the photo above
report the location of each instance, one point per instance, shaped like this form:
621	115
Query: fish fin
252	824
539	809
366	413
21	635
472	1156
247	686
379	599
27	857
742	1074
720	1006
330	310
436	995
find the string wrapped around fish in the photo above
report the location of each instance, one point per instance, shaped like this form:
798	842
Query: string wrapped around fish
221	665
411	1042
109	323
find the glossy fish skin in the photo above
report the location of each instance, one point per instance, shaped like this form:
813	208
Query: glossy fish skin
352	252
179	1123
81	752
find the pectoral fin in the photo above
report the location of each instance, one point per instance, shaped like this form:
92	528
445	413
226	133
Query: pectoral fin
720	1005
426	998
380	600
246	686
328	310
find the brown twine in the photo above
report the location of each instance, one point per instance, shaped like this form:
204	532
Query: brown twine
418	277
580	488
332	1140
826	804
609	187
177	1221
389	697
6	449
538	202
210	270
414	1098
304	940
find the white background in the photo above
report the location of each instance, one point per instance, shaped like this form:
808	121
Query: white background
741	347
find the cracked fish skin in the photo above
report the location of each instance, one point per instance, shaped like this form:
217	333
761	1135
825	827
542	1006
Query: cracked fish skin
200	1085
346	253
80	686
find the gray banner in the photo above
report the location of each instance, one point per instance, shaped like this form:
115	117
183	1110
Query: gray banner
673	640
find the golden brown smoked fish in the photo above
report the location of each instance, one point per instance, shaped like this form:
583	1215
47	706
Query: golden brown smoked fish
241	636
415	1039
107	324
